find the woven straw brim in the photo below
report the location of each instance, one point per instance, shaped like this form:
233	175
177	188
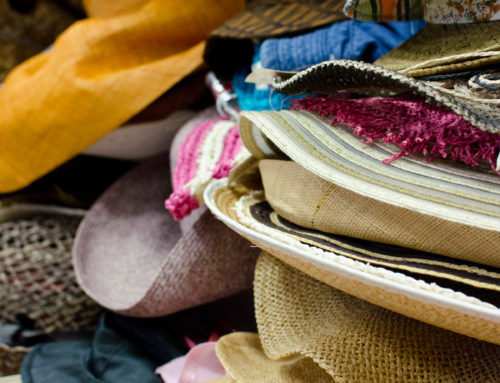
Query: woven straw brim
243	358
340	75
131	257
442	49
355	341
310	202
452	194
265	18
11	359
37	278
405	295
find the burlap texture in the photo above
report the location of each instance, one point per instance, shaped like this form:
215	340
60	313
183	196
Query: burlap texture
448	318
441	48
242	356
355	341
36	274
309	201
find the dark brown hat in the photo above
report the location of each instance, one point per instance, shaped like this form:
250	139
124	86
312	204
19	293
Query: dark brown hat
225	51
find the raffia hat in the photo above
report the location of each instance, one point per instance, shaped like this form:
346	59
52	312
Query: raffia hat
457	295
459	36
265	19
455	196
132	257
308	329
475	99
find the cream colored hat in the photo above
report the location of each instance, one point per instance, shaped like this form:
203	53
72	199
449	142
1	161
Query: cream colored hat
456	196
438	290
301	320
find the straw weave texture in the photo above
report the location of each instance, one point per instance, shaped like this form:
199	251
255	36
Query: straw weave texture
355	341
242	356
474	326
310	201
37	277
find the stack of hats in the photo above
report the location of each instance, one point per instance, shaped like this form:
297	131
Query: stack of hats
352	181
381	183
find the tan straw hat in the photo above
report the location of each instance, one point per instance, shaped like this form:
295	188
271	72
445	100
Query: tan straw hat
299	318
450	194
459	36
435	289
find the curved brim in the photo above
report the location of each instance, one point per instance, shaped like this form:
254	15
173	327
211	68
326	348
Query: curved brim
341	75
343	332
454	194
403	294
130	256
443	49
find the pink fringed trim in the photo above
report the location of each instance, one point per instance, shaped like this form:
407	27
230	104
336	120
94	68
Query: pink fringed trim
232	145
417	127
181	204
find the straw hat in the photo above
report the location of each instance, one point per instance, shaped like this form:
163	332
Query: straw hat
475	99
37	279
132	257
431	288
306	326
455	196
264	19
459	36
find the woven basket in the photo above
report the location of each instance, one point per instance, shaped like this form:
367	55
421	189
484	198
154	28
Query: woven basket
36	274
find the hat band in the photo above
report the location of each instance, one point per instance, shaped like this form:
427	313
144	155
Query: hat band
460	12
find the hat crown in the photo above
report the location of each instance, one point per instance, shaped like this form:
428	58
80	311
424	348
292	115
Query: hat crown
461	11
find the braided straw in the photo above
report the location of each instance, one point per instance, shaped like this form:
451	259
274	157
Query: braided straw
334	76
355	341
37	277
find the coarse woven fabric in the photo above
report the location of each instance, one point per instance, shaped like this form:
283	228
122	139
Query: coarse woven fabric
100	72
36	274
242	355
475	104
383	10
264	19
427	302
448	193
301	201
446	48
131	257
355	341
350	39
309	201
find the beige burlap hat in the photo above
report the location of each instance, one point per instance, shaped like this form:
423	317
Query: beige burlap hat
456	196
306	326
457	295
459	36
